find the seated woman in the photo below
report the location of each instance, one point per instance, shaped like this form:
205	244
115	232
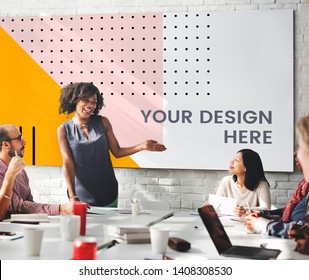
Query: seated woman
299	215
248	183
294	209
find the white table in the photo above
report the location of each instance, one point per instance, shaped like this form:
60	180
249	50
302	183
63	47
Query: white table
191	228
54	248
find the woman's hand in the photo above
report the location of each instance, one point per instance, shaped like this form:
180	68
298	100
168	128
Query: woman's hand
239	211
152	145
206	203
300	233
302	246
249	220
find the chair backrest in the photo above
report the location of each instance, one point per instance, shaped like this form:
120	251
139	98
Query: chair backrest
156	205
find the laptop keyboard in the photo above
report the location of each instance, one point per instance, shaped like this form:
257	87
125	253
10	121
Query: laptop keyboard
243	250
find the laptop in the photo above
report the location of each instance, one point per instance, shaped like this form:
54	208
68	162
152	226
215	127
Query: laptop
223	243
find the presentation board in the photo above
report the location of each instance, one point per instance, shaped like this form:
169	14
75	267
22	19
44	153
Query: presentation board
205	84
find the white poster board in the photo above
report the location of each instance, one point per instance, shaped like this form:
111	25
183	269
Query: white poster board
206	84
231	82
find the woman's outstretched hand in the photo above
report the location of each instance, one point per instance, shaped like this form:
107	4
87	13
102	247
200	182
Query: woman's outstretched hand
152	145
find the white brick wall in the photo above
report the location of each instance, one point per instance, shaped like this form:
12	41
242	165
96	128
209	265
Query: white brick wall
185	189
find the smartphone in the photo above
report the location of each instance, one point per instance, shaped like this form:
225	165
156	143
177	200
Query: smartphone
7	233
25	222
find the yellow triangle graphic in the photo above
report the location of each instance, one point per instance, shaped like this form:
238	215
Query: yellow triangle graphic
30	98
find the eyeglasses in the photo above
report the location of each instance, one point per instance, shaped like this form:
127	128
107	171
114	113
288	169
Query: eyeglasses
16	138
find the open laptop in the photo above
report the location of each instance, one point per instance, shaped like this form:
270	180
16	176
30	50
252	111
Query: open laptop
223	243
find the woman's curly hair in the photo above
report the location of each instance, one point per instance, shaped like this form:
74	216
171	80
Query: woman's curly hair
72	93
302	129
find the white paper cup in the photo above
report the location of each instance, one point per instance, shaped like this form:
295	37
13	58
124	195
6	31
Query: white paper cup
136	208
159	239
69	227
33	241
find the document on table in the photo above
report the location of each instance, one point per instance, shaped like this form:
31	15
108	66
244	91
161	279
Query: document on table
107	210
100	210
223	205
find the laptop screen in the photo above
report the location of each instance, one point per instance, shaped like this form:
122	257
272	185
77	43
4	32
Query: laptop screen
215	228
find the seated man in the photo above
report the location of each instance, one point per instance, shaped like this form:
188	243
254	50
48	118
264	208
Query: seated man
15	193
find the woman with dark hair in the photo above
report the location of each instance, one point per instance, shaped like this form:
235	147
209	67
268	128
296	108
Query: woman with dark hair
85	142
248	183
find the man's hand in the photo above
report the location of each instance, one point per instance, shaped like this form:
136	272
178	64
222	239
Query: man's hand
66	208
16	165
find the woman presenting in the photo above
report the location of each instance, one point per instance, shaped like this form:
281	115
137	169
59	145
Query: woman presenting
85	142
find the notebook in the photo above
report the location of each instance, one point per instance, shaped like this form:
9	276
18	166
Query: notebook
29	218
223	243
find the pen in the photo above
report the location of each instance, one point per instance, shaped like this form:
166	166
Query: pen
249	210
263	245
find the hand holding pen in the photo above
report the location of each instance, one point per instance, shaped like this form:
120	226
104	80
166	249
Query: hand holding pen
248	208
239	211
249	220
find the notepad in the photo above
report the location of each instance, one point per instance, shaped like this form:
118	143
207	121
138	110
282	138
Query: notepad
223	205
122	229
42	218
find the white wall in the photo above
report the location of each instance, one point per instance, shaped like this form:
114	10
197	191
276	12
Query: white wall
185	189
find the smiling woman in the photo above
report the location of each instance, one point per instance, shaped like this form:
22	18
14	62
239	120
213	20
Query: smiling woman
247	184
86	141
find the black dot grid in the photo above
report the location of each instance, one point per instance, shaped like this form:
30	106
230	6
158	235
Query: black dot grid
186	50
187	58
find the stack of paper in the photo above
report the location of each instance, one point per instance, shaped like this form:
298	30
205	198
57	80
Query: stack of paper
42	218
128	233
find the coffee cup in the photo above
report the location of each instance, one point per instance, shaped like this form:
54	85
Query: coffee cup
159	239
85	248
33	241
69	227
136	208
80	209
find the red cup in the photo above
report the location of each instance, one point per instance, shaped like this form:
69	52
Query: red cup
80	209
85	248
